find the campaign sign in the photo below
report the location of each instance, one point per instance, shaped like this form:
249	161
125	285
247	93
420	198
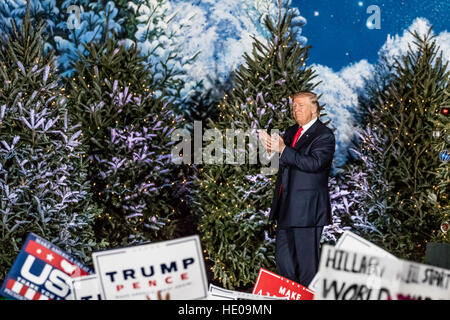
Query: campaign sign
218	293
352	242
271	284
42	271
139	272
86	288
352	275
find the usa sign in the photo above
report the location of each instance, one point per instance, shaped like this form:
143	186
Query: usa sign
42	271
274	285
139	272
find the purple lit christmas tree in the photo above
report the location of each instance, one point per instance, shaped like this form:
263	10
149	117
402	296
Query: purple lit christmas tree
128	131
43	168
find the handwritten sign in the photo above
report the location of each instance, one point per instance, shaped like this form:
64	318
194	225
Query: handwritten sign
86	288
351	275
42	271
274	285
139	272
353	242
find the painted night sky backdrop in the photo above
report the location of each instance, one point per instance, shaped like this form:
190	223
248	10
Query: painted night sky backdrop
344	50
337	29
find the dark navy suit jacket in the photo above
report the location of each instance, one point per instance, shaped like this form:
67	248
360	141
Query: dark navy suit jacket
303	173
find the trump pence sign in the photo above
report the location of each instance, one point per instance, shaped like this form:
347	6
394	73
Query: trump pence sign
139	272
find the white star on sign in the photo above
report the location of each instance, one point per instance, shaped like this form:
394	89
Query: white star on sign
39	251
50	257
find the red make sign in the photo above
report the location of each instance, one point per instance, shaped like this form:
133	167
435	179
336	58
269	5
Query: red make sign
274	285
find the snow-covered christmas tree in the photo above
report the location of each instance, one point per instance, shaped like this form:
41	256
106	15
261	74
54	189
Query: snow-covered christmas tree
407	199
128	130
234	199
43	165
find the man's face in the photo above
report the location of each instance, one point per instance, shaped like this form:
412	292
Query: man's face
303	110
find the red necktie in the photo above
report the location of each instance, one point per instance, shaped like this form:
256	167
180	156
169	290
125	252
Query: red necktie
297	136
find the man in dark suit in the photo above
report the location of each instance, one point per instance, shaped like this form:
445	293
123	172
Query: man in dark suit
301	202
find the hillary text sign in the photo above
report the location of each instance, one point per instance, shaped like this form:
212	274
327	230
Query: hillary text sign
351	275
42	271
352	242
139	272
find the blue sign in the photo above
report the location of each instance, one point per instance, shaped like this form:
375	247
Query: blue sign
42	271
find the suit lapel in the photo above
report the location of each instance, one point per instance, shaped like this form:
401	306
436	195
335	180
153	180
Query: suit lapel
307	136
291	135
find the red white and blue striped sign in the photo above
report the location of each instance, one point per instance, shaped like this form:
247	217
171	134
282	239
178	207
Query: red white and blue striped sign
42	271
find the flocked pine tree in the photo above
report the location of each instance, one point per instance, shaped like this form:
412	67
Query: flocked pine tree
128	130
403	201
234	200
348	197
160	33
350	187
43	166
